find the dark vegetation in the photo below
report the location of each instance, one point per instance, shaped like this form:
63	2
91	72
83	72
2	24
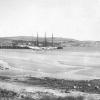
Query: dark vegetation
23	44
13	47
63	98
88	86
11	95
9	42
7	95
5	78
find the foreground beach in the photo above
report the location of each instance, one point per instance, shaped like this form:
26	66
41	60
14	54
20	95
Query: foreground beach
48	89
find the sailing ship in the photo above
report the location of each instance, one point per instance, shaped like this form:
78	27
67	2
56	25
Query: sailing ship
45	46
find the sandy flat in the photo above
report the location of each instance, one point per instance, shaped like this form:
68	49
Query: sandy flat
58	64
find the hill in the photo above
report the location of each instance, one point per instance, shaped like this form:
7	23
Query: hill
63	41
30	38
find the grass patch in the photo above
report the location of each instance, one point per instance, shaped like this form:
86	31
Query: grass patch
63	98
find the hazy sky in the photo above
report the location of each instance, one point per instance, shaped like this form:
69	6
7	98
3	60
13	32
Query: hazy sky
78	19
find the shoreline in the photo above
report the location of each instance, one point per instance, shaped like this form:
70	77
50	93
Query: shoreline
50	86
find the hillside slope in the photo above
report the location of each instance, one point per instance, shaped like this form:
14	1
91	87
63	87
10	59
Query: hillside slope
64	41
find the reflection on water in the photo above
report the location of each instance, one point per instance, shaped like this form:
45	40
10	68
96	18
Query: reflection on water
63	64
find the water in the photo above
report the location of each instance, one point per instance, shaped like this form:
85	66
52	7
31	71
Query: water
59	64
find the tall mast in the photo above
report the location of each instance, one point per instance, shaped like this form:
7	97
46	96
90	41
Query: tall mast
45	42
37	42
32	39
52	40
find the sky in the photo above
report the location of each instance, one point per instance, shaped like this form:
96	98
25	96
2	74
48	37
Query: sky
77	19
